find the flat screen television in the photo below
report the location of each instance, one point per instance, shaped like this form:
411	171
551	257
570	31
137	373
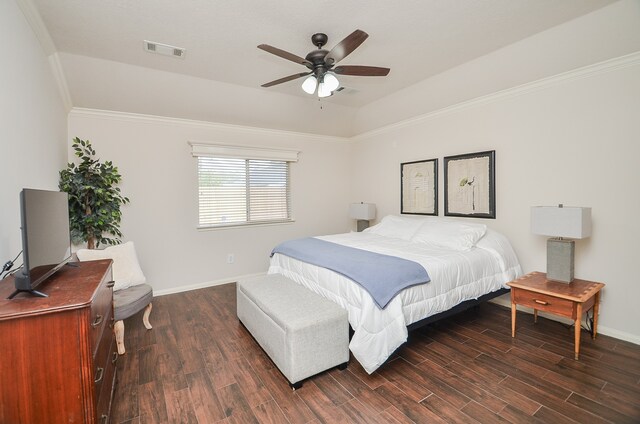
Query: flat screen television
46	240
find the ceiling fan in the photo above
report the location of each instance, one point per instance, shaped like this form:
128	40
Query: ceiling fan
322	64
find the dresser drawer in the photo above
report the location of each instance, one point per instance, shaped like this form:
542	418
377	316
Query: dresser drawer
101	312
104	388
544	302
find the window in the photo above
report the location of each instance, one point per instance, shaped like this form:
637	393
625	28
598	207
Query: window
241	190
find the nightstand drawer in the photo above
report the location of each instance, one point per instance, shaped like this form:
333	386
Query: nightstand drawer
544	302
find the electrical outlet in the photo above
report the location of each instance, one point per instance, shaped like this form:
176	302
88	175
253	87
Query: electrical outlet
231	258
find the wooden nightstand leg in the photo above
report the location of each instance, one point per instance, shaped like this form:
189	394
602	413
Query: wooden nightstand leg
596	312
578	328
513	319
535	316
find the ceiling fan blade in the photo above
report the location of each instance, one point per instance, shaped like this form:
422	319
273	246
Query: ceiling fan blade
345	47
285	79
364	71
285	55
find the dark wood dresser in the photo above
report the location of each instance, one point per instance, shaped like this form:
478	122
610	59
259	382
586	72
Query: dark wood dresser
58	354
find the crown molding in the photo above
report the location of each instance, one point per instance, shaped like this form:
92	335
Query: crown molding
34	19
610	65
163	120
61	81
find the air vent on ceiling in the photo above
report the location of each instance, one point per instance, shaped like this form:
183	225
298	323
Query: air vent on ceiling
165	49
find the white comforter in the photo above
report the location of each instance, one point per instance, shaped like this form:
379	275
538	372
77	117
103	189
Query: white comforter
456	276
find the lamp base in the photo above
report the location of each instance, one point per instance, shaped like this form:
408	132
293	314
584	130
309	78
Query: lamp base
560	260
363	224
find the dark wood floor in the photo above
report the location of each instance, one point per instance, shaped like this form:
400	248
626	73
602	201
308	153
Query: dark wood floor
199	365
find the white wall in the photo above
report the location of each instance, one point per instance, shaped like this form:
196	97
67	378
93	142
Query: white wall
160	178
32	123
572	140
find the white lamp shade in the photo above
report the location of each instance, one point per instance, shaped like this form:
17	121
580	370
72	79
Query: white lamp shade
309	84
555	221
330	82
322	90
364	211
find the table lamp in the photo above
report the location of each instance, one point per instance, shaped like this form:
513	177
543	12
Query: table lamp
363	212
560	222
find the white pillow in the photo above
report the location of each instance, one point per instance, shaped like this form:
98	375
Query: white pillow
126	269
401	227
497	244
449	234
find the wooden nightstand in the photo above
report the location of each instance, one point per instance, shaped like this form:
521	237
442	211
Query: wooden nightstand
567	300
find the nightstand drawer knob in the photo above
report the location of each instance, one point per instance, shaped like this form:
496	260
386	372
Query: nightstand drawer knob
540	302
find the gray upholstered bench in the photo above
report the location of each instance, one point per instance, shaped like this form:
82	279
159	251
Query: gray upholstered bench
303	333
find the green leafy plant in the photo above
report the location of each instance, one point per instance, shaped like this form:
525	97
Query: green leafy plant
94	198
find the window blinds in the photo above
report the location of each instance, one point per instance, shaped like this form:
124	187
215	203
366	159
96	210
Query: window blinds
241	190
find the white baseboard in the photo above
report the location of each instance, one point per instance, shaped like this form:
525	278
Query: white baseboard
622	335
204	284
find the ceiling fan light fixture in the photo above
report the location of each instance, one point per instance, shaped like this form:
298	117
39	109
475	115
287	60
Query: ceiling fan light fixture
309	84
330	81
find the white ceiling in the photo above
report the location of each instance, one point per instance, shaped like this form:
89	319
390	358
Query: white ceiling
417	39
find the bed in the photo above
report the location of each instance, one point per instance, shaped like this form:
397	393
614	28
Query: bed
465	261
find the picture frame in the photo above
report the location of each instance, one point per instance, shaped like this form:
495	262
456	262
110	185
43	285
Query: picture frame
470	185
419	187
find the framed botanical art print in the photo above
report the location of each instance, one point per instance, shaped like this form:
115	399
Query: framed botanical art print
469	185
419	187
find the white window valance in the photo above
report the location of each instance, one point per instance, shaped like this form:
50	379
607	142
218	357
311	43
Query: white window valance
243	152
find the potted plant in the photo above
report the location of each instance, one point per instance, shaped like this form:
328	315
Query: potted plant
94	198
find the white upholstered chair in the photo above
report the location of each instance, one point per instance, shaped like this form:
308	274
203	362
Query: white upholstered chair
131	294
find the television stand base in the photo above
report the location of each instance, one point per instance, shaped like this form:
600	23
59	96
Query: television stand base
33	292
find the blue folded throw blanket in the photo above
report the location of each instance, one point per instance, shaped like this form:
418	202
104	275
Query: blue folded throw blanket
383	276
